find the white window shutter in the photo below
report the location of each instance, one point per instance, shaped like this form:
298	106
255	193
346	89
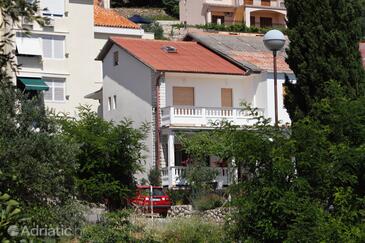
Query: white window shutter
47	46
59	47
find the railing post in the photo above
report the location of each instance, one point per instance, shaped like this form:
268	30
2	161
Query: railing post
172	115
234	114
204	116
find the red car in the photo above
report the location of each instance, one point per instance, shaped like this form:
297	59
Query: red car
160	200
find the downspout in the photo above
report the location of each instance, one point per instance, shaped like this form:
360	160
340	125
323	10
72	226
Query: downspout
158	121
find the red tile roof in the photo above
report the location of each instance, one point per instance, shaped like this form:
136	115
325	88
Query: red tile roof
362	51
110	18
190	57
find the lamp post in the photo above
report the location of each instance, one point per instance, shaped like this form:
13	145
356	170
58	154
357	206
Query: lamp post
274	40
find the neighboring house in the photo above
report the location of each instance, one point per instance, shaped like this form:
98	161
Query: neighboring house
259	13
249	52
176	87
59	57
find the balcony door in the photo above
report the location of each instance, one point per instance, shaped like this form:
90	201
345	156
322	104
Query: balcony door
265	22
183	96
226	98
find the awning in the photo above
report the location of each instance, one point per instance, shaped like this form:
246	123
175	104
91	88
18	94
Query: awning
97	95
29	46
33	83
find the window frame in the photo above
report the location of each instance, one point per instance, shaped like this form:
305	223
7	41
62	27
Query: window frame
52	38
54	80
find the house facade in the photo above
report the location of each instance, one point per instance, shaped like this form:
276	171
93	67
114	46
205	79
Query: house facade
60	56
177	87
259	13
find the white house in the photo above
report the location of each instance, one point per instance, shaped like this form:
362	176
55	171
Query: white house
259	13
60	56
177	87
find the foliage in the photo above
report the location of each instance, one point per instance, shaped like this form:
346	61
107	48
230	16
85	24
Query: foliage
171	7
37	164
154	177
10	217
110	156
179	196
208	201
68	215
233	28
154	28
322	49
187	230
114	227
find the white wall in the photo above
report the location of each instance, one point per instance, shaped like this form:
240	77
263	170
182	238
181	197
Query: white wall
207	88
131	81
192	11
256	89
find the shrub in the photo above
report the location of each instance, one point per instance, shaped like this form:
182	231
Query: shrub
180	196
209	201
68	215
154	177
114	227
154	28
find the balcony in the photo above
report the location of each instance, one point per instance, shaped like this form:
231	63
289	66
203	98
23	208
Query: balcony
178	116
266	3
174	176
227	3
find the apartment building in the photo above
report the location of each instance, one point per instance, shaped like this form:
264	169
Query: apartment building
59	58
259	13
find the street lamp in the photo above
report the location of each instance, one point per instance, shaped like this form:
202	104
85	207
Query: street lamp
274	40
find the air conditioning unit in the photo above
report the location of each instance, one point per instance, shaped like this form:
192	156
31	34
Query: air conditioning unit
49	22
27	21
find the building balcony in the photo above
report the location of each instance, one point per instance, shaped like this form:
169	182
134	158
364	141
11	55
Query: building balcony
174	176
226	3
179	116
266	4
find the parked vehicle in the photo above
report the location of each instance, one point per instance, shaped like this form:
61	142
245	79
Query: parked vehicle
142	200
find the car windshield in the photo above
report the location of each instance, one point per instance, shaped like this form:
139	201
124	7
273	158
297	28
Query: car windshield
156	192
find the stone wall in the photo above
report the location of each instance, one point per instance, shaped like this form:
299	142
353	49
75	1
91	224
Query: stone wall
217	215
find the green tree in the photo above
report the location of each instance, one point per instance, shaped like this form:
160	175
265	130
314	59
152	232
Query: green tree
171	7
110	156
323	48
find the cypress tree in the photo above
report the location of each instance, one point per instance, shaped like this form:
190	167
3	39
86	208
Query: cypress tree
324	42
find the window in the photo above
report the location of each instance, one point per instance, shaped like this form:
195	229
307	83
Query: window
183	96
56	91
265	22
54	8
226	97
53	46
116	58
109	103
28	45
114	102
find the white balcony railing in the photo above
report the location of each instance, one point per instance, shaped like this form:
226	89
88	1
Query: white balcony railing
204	116
175	176
232	3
